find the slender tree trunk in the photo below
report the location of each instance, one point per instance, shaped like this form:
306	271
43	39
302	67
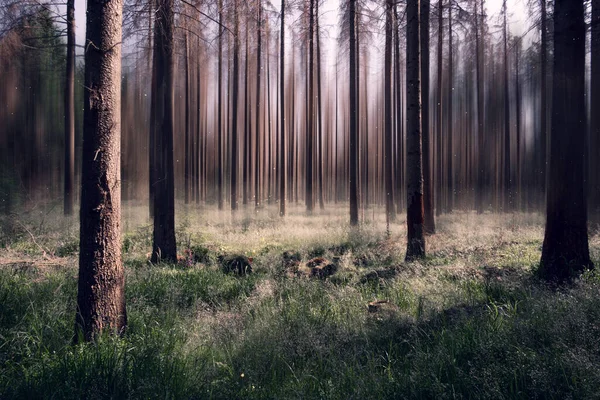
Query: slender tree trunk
69	178
310	112
480	123
398	114
565	251
246	159
186	155
353	149
438	157
282	171
319	111
101	284
414	177
220	112
544	101
449	167
519	196
429	220
151	139
389	188
234	109
257	126
508	195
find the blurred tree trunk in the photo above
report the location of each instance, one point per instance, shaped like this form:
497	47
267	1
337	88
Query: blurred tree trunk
319	111
353	149
438	157
414	176
449	167
544	101
508	195
565	251
163	246
429	220
186	155
282	172
234	108
246	158
389	188
101	284
220	111
257	115
481	148
69	178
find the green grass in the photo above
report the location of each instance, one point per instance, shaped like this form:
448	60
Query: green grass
470	321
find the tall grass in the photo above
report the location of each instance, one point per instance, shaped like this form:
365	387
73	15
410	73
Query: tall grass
470	321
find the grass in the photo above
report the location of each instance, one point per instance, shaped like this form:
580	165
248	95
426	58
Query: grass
469	321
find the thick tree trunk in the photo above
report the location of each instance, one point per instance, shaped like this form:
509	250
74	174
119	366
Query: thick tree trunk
353	145
282	171
414	176
565	251
101	285
69	179
163	246
429	220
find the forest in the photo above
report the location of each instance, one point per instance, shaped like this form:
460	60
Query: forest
327	199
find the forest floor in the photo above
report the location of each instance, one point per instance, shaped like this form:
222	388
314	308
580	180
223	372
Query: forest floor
469	321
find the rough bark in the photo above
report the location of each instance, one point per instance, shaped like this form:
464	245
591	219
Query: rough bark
101	284
565	251
414	176
282	113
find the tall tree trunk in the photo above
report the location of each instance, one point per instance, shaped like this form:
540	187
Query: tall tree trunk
69	178
480	106
429	221
234	108
594	166
310	112
101	284
257	126
246	159
438	156
414	177
319	111
163	245
398	114
508	195
353	149
519	196
565	251
219	112
151	139
543	181
389	187
186	154
282	113
449	167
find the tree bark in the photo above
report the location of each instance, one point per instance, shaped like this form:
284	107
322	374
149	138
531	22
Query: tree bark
508	195
594	166
389	188
414	176
101	285
282	171
234	109
220	112
565	252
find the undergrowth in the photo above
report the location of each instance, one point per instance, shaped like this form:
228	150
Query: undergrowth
469	321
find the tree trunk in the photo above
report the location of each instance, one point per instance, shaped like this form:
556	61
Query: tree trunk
414	176
508	195
480	132
186	155
101	285
163	246
565	251
69	193
594	166
429	220
257	126
234	109
449	167
319	111
246	158
544	102
438	157
353	149
220	112
282	113
389	188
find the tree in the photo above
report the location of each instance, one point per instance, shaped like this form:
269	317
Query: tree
414	175
101	285
163	239
565	251
353	145
70	111
508	195
429	220
220	112
595	117
234	108
282	114
389	188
